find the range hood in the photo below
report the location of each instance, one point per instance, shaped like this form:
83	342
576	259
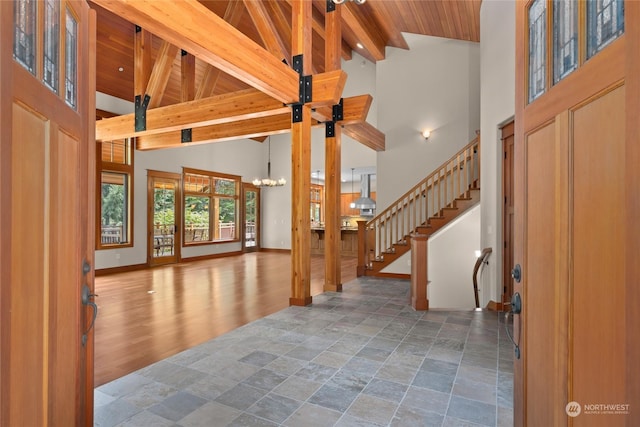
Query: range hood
365	201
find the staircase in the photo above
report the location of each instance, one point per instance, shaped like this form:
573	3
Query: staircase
429	206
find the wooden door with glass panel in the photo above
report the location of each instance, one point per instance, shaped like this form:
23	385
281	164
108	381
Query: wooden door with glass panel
570	220
47	231
164	217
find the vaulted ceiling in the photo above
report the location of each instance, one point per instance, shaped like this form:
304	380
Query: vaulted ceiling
366	29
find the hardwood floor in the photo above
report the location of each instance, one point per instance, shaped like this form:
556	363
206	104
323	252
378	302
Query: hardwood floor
148	315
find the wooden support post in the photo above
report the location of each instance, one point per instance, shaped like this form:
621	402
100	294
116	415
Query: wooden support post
419	276
332	233
142	62
301	166
362	249
333	161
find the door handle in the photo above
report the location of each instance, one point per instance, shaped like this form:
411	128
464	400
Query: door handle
516	308
85	297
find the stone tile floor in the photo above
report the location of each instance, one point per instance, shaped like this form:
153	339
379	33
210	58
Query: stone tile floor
362	357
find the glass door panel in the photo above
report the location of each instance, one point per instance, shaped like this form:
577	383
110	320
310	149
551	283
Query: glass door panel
251	235
164	218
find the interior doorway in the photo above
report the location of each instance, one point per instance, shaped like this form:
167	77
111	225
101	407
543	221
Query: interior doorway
507	137
164	218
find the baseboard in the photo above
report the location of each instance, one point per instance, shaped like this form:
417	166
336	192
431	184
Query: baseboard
390	275
122	269
280	251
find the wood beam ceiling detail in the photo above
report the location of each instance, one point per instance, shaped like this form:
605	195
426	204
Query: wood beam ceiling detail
160	74
366	134
188	23
355	113
372	41
267	30
249	103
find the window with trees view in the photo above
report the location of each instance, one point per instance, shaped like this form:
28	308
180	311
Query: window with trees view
115	208
210	206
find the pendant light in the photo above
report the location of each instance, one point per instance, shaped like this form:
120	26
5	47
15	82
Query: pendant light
268	182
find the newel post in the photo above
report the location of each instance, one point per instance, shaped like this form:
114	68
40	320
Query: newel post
362	249
419	278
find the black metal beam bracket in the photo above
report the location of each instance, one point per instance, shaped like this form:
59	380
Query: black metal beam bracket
141	112
185	135
304	90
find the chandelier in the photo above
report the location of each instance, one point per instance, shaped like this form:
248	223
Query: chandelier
268	182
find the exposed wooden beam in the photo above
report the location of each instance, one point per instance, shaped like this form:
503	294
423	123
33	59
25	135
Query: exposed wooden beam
281	24
318	27
250	128
189	24
366	134
161	73
142	62
224	108
355	110
267	30
396	39
208	82
232	15
227	108
372	41
188	76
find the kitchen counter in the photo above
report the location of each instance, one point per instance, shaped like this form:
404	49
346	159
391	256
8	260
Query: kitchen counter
348	239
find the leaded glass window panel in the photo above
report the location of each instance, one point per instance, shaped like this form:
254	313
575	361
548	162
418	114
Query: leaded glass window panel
71	60
51	44
605	23
537	48
565	38
24	33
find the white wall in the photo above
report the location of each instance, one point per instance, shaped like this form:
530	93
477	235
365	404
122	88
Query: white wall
497	94
451	262
434	85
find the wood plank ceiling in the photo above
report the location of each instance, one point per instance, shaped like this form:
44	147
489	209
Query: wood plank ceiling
366	29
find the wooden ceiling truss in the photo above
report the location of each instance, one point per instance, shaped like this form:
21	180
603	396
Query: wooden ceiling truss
273	83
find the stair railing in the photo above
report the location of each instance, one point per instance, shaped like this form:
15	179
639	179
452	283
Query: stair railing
425	201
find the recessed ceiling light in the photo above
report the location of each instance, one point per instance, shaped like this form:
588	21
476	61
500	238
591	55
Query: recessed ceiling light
121	69
360	46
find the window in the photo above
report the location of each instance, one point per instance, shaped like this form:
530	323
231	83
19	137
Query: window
210	206
24	31
114	195
51	44
605	23
565	38
70	60
537	48
573	31
44	56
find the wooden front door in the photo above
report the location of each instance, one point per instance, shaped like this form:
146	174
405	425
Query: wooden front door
164	217
47	158
572	233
